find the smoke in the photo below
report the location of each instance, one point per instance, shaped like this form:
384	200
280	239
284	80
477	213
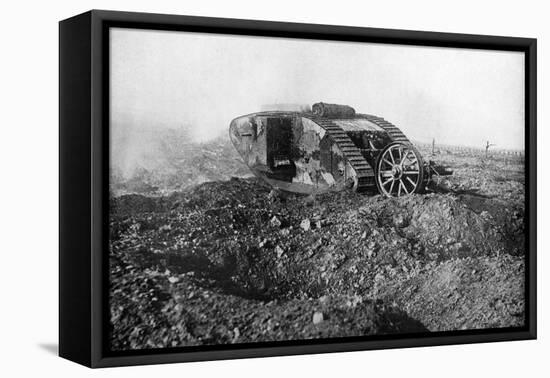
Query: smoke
169	80
134	150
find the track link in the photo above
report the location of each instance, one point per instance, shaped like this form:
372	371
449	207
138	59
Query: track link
392	130
364	172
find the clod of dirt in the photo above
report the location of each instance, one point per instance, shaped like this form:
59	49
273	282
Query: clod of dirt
317	317
305	224
275	222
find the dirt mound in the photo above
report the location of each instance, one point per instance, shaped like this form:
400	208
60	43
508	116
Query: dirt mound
461	294
448	226
235	261
169	310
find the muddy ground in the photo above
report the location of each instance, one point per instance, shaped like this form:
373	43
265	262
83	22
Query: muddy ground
232	261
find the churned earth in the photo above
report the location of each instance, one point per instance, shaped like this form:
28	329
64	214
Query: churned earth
233	261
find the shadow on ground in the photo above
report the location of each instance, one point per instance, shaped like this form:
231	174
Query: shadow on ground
51	348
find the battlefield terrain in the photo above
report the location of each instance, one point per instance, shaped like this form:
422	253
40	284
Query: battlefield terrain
202	253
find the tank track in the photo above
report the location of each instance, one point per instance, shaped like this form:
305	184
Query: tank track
397	136
364	172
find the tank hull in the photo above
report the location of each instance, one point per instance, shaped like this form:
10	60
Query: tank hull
307	154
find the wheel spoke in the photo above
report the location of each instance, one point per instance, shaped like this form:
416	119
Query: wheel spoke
386	173
391	187
388	162
404	186
387	181
390	151
411	172
399	189
412	182
404	153
403	161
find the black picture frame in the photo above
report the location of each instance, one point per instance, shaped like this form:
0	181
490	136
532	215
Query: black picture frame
83	181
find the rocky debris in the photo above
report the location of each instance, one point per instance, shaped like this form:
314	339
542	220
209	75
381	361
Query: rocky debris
354	301
173	280
263	243
277	195
236	334
275	222
399	221
210	317
309	200
440	261
285	232
305	225
274	195
454	285
317	317
165	228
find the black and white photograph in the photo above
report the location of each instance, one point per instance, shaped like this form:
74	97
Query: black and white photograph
210	188
269	189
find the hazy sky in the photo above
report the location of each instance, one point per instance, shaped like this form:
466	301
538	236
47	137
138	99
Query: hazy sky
174	79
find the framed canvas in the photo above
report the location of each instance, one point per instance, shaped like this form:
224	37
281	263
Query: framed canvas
235	188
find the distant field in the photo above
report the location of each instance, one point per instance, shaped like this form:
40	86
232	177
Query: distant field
475	151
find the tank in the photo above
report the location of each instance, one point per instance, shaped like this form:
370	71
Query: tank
329	148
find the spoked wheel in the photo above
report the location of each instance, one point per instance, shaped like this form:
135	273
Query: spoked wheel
399	171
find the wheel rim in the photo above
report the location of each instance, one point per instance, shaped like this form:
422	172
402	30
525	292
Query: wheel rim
399	171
